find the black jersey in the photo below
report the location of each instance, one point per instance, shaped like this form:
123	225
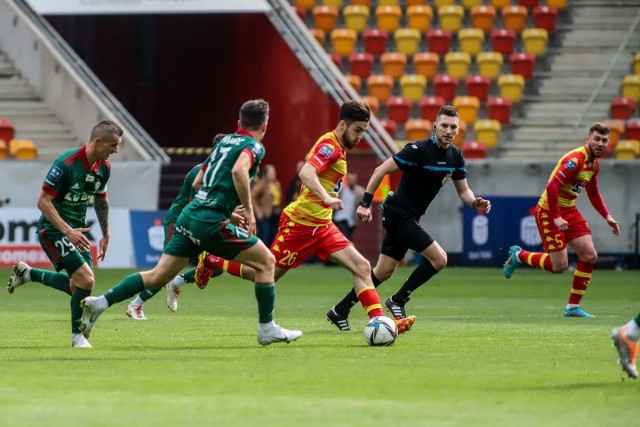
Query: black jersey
426	168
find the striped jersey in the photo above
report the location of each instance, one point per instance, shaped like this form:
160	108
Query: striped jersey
329	157
574	171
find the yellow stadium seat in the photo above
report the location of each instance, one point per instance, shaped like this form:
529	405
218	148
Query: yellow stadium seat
426	64
23	149
356	17
482	16
511	86
471	40
535	40
514	17
407	40
468	4
630	86
438	3
468	107
319	35
336	3
388	17
325	17
373	103
354	81
417	129
305	4
627	149
361	2
344	40
451	17
4	151
558	4
489	64
636	63
488	132
380	86
393	64
458	64
499	4
419	17
388	2
413	86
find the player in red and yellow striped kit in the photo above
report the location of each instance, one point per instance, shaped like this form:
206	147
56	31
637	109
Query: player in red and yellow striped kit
560	223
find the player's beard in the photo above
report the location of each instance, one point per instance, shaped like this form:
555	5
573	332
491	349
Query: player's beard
348	142
441	142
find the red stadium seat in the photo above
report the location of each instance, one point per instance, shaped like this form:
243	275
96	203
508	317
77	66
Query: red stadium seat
478	86
398	109
361	64
439	40
7	130
474	150
529	3
390	126
523	64
545	17
633	129
446	86
429	107
500	109
503	40
622	108
336	59
375	40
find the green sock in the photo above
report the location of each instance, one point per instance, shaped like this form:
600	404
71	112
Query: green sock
76	310
189	276
131	285
266	296
59	281
148	293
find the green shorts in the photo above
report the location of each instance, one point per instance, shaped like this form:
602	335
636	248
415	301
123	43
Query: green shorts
61	253
217	236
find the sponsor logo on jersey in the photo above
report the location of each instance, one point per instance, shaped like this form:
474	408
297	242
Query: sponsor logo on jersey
89	178
571	165
257	149
75	186
54	174
326	150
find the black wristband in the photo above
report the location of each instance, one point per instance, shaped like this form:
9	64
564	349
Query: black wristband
367	198
473	203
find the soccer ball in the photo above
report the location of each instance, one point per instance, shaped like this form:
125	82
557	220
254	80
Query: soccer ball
380	331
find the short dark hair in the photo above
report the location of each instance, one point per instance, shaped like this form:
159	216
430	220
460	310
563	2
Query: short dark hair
600	128
354	111
448	110
253	114
217	139
106	129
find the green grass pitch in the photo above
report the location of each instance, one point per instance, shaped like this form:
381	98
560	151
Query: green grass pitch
485	351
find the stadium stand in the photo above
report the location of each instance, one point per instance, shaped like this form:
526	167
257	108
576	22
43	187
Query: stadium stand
487	132
457	64
23	149
514	17
418	129
489	64
499	109
419	16
474	150
413	86
426	64
393	64
445	86
478	86
636	63
344	40
483	17
429	107
380	86
375	40
471	40
388	17
398	109
361	64
325	17
4	152
407	40
468	107
623	108
632	129
356	17
630	86
451	17
627	149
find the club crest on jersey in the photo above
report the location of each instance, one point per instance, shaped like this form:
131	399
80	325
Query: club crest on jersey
446	178
326	151
571	165
54	174
257	149
89	178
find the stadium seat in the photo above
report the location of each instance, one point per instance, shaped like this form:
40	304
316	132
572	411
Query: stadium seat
462	133
429	107
439	40
469	4
398	109
511	86
390	126
616	131
445	86
319	35
324	17
499	109
514	17
534	41
393	64
499	4
630	86
336	59
360	2
632	129
413	86
419	16
426	63
627	149
388	17
375	40
636	63
417	129
529	3
22	149
4	151
503	40
336	3
7	130
451	17
478	86
380	86
343	40
407	40
545	17
457	64
489	64
558	4
471	40
373	103
305	4
388	2
522	64
354	81
487	132
622	108
361	64
414	2
356	17
438	3
474	150
468	107
482	17
301	12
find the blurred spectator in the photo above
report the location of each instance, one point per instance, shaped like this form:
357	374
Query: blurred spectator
350	194
267	203
294	186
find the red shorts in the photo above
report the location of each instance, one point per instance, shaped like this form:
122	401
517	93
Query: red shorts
295	242
554	240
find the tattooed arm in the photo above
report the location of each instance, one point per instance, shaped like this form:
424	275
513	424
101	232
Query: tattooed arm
101	205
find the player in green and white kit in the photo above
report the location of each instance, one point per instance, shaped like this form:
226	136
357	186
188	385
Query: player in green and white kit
205	225
75	178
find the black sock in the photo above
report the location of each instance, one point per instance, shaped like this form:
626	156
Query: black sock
344	307
420	275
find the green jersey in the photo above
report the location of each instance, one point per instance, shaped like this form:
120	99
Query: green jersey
72	182
218	194
185	195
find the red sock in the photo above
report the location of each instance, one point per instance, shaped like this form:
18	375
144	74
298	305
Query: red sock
540	260
581	279
215	262
371	302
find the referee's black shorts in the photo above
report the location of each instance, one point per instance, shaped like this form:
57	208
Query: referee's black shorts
402	232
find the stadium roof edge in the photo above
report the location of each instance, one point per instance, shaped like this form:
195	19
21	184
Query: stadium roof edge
112	7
